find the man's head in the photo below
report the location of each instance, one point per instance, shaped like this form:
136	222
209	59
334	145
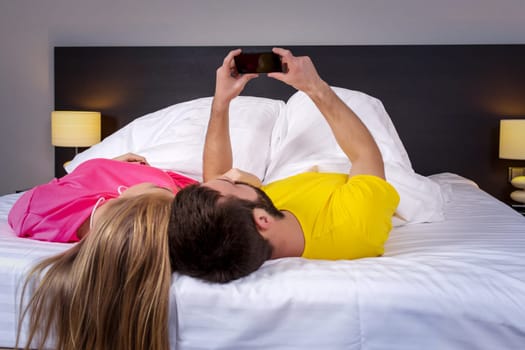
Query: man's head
213	233
237	189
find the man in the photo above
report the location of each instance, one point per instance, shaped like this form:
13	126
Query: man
227	227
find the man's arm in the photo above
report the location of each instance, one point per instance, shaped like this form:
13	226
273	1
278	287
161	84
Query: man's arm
351	134
217	156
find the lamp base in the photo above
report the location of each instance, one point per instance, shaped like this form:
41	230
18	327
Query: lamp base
515	172
518	196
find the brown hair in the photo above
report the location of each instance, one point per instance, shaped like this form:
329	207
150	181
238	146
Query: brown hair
214	240
109	291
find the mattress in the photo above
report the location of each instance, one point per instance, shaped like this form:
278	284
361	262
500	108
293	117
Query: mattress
453	284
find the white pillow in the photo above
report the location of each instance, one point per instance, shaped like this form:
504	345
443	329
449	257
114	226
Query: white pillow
302	140
173	138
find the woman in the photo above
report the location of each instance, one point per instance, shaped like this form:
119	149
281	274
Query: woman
109	291
63	209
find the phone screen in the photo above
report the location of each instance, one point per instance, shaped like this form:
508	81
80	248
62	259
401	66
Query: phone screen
264	62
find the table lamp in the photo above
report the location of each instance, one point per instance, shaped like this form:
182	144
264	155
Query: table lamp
75	129
512	146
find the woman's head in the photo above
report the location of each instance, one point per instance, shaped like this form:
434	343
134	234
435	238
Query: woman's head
144	188
110	291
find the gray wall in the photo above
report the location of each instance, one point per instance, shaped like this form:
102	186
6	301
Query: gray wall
30	29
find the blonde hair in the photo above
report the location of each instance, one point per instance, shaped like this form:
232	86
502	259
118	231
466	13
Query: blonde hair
111	290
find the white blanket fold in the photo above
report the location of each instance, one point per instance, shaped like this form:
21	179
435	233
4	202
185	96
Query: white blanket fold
302	140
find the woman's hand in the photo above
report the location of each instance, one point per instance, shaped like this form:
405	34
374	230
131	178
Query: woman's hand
238	175
132	158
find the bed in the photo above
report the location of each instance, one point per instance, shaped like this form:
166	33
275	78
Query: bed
453	272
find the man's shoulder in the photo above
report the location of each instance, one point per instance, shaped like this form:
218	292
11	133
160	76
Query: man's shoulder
305	186
310	176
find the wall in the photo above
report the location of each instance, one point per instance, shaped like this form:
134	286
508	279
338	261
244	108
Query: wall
30	29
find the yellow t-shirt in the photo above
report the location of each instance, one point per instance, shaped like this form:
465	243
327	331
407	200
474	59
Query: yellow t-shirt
342	217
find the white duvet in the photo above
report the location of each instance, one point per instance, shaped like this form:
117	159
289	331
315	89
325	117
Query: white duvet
454	284
274	139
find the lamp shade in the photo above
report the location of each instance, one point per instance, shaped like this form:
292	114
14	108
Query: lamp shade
512	139
75	128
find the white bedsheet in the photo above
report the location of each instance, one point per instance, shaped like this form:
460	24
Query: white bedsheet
17	255
454	284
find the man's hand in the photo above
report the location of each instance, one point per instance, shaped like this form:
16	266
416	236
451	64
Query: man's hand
229	83
299	72
132	158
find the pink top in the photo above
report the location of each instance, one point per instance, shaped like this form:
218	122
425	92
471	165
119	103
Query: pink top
54	211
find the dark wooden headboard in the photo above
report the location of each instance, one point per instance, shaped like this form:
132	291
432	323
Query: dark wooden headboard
445	100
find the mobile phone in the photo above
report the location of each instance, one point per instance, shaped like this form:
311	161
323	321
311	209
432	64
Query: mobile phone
262	62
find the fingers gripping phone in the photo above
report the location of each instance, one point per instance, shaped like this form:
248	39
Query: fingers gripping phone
263	62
